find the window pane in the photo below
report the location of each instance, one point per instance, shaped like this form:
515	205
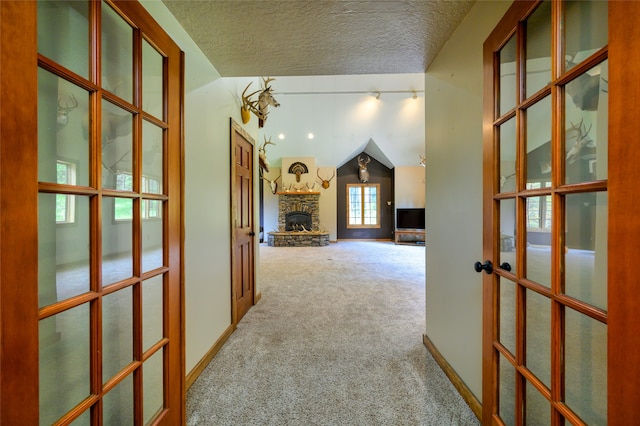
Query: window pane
585	29
152	237
62	128
586	367
539	240
538	144
508	232
117	332
63	33
117	246
355	206
152	156
587	123
152	312
117	147
538	49
585	254
507	318
63	251
152	78
538	336
508	76
538	411
153	386
64	362
508	156
506	392
117	54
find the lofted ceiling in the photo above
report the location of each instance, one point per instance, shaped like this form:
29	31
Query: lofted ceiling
327	48
319	37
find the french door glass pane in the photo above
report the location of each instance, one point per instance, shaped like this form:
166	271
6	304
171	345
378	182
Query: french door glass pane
83	420
537	411
152	156
507	315
152	235
538	336
117	54
64	362
585	25
63	251
538	261
507	76
587	122
538	144
118	404
152	311
152	80
152	392
63	33
508	156
117	147
586	367
62	128
538	49
117	332
508	233
506	392
117	245
585	254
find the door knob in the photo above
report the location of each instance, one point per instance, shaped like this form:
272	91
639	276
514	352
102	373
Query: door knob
506	266
252	234
487	266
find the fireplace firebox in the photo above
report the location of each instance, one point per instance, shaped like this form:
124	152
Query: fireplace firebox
298	221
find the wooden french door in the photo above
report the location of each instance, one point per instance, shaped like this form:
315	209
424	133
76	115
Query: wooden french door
243	233
556	346
98	321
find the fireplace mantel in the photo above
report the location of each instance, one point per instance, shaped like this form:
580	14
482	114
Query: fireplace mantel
298	193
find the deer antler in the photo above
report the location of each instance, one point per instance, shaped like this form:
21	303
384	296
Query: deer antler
582	139
68	107
325	182
266	81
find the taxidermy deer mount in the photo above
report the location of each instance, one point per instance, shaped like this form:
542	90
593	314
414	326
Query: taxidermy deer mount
273	183
363	173
66	108
325	183
262	154
260	106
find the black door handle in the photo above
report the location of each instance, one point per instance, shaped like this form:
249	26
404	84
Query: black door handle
252	234
487	266
506	266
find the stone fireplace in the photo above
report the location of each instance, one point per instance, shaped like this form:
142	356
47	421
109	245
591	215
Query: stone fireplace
298	221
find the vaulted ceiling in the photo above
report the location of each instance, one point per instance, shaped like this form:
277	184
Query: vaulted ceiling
329	57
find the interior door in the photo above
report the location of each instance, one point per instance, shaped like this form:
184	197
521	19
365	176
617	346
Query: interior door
101	306
547	215
243	233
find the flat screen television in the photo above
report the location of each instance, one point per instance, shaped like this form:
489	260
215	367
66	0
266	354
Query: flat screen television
410	218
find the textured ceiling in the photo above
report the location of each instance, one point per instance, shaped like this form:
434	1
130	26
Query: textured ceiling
319	37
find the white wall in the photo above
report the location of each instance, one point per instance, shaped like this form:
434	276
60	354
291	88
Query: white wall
453	89
409	186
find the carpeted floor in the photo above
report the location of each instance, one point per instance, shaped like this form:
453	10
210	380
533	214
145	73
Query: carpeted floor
335	340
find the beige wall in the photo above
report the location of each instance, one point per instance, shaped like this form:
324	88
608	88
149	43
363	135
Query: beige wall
453	90
409	185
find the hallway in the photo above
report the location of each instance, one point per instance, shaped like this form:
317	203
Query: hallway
335	339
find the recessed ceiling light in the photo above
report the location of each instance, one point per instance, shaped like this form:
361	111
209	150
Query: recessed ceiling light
281	136
310	136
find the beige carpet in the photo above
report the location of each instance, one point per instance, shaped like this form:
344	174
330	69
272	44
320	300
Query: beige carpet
335	340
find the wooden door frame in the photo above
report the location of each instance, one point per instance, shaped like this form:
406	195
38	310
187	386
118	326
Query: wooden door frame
234	128
623	345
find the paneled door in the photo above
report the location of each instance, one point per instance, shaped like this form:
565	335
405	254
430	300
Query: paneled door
102	300
552	282
243	233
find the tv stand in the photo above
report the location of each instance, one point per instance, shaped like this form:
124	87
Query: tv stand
420	233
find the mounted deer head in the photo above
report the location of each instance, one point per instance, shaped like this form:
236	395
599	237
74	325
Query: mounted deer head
259	107
580	134
66	108
262	153
363	173
273	183
325	183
